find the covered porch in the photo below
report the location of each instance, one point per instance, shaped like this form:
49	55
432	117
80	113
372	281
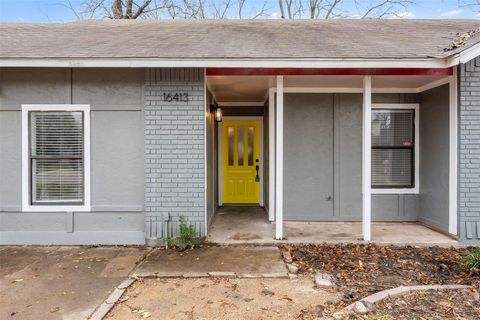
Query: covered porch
321	175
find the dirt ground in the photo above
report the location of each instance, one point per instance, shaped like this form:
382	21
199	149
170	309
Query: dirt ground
60	282
221	298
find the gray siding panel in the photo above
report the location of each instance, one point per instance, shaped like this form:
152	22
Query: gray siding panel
109	88
174	151
116	155
434	157
308	156
33	85
117	159
10	160
469	152
348	152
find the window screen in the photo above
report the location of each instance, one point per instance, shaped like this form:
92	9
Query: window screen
393	148
56	157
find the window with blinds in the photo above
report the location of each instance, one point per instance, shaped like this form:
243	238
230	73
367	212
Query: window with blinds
393	148
56	155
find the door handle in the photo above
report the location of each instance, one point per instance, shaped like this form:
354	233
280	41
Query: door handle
257	177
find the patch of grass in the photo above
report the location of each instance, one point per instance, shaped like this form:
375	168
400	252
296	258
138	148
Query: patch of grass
470	260
187	237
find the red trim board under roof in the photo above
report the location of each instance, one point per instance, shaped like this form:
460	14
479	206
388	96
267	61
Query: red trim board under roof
329	72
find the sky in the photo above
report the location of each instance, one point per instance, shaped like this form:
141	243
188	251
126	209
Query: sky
58	10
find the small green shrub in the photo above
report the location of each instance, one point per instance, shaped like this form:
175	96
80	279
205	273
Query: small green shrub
470	260
187	236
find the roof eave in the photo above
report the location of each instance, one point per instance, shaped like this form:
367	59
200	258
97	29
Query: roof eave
231	62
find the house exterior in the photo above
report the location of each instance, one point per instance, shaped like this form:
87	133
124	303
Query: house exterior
109	131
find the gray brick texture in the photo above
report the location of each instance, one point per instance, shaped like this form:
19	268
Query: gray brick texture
174	119
469	148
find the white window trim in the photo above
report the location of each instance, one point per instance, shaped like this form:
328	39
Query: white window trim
26	205
416	142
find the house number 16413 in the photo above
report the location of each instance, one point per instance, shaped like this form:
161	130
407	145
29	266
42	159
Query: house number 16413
177	97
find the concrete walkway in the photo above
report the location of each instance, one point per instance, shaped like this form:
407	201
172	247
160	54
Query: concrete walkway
238	261
250	225
60	282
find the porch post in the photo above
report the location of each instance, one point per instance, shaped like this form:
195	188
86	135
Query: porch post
366	158
453	150
271	154
279	161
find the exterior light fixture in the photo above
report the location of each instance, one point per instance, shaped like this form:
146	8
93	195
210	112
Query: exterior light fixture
217	112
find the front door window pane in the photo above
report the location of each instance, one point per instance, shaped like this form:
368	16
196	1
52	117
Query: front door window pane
250	145
241	146
231	142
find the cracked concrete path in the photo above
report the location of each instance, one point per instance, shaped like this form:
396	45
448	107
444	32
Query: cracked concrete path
60	282
240	261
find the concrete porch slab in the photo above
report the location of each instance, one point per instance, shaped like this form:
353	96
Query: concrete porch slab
216	261
250	225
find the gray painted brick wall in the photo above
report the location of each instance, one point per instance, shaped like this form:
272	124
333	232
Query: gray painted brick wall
469	146
174	151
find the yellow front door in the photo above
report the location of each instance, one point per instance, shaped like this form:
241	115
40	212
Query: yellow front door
241	161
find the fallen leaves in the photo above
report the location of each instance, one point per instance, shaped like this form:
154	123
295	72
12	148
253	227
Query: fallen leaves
54	309
16	281
363	269
142	313
446	304
266	292
461	39
360	265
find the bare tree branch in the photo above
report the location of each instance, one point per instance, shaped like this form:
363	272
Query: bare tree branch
329	9
385	8
141	9
263	12
240	9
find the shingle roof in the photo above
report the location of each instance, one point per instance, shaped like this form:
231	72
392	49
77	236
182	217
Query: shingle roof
235	39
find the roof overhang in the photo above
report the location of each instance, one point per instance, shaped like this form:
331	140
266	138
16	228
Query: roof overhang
112	62
224	63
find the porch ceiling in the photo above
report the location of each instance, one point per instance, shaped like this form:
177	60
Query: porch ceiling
254	89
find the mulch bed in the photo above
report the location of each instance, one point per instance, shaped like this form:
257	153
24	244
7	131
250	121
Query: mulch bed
447	304
363	269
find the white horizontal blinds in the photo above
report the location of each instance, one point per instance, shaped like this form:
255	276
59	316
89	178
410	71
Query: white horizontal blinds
392	148
56	157
392	168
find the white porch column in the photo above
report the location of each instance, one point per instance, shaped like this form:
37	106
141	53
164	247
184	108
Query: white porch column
271	154
279	161
453	151
367	159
